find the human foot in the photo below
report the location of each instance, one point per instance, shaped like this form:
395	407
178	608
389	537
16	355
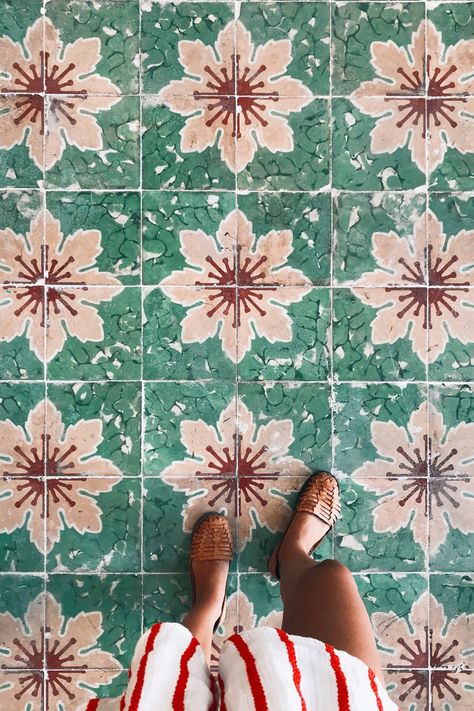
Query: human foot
316	510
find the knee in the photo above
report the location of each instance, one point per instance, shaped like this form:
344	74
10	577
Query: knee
335	569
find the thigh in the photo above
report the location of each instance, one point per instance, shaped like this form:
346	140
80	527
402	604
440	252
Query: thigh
325	604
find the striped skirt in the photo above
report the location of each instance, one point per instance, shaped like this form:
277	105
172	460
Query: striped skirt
262	669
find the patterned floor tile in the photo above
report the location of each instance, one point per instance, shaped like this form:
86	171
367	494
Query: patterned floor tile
178	423
110	609
112	24
180	230
306	217
367	345
107	227
236	247
169	515
22	501
373	232
357	26
106	345
451	486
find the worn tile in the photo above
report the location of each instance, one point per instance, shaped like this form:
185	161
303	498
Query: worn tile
22	497
101	530
106	345
164	27
167	164
375	506
170	513
451	487
106	421
357	163
107	229
110	604
297	224
306	26
111	163
182	343
372	420
296	159
373	232
106	33
367	344
292	334
180	228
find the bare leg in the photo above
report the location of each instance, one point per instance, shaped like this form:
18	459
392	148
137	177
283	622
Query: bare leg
333	610
210	577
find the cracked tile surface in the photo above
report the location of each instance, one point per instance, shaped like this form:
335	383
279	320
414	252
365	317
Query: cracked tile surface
236	246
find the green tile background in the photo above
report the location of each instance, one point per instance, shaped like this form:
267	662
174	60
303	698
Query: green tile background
331	381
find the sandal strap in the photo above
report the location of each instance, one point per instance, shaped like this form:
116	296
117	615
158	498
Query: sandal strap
320	497
212	539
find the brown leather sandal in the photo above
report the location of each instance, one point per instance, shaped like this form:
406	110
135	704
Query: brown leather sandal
319	497
211	539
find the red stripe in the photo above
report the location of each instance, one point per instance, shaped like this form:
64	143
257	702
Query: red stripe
221	687
122	702
180	689
290	648
92	705
342	691
213	687
373	686
256	687
137	692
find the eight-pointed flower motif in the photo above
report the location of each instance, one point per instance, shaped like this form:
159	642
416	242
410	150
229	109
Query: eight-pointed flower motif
50	666
236	93
51	93
419	475
425	90
414	646
50	282
238	468
427	286
238	282
50	471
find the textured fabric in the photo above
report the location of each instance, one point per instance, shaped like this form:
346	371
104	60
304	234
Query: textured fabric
261	670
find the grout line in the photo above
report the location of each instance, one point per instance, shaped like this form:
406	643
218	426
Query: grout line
142	388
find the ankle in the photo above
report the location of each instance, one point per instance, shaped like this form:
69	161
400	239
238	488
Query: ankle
208	603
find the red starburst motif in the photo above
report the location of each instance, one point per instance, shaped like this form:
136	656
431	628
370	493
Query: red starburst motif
448	287
50	93
37	81
237	467
233	284
53	665
429	95
425	283
49	281
413	647
241	94
236	94
427	91
428	476
252	475
45	475
230	299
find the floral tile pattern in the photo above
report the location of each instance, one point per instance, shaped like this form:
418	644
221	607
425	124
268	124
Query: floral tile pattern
236	246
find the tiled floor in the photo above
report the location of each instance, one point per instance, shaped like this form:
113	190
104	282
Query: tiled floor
224	264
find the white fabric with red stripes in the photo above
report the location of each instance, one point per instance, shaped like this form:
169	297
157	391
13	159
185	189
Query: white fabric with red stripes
260	670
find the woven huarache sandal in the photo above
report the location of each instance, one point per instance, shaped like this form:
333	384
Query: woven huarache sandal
211	539
319	497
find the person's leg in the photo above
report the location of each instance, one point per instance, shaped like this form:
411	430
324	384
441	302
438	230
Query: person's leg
210	581
321	600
